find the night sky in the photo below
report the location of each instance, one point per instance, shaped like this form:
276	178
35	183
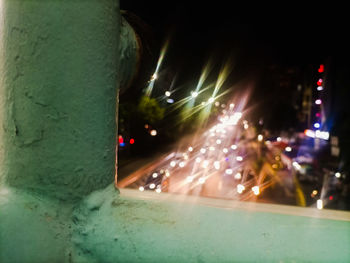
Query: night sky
255	39
200	29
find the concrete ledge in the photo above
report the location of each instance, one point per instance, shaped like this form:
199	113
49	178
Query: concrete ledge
151	227
138	226
234	205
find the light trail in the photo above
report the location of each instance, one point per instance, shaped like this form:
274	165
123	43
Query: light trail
223	74
156	72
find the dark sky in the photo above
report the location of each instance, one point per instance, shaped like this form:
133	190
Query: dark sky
256	37
280	35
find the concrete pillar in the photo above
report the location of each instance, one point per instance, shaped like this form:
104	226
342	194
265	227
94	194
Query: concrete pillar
58	84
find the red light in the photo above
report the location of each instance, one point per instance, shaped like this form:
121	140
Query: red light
319	82
120	139
321	68
331	197
132	141
318	114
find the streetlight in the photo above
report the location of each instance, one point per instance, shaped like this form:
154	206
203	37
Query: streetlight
154	77
153	132
167	93
194	94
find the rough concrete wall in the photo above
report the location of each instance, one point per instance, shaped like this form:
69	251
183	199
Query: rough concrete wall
58	83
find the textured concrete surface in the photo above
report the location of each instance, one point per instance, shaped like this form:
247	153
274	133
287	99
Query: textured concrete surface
148	227
58	89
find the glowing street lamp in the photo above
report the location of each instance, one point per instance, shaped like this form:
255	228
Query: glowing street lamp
153	132
194	94
167	93
154	77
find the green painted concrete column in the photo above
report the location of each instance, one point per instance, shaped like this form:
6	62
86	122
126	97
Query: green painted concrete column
58	85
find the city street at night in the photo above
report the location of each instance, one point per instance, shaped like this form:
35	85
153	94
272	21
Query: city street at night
173	132
228	160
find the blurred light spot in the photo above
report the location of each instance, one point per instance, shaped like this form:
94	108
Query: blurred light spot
337	174
141	188
288	149
154	175
190	149
256	190
201	180
152	186
189	179
239	158
153	132
321	68
319	204
185	156
205	163
154	77
240	188
228	171
167	93
217	165
238	176
172	163
296	165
